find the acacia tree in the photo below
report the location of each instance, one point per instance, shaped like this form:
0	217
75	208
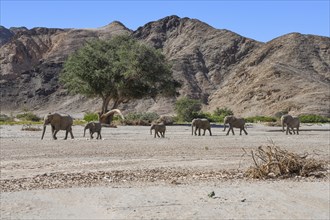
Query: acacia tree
186	108
118	70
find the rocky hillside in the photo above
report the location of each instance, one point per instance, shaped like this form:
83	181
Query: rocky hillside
222	68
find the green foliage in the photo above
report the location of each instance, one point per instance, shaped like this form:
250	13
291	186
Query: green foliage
28	116
201	114
313	119
4	118
187	109
79	122
147	116
223	112
120	69
256	119
90	116
207	115
216	118
141	118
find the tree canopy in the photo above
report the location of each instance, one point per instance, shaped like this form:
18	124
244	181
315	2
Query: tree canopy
118	70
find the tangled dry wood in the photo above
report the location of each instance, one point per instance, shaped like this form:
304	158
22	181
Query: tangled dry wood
30	127
271	162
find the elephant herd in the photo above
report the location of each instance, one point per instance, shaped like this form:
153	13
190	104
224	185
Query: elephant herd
65	122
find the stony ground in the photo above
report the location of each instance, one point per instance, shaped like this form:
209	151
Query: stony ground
129	174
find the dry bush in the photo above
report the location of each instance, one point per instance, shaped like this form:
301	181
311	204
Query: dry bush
271	162
29	127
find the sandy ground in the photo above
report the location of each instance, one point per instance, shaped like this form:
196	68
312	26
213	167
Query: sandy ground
131	175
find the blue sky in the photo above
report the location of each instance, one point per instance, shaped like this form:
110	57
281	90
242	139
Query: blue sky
259	20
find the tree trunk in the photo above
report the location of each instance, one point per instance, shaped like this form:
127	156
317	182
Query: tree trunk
105	104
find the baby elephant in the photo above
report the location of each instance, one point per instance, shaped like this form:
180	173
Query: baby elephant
93	127
159	128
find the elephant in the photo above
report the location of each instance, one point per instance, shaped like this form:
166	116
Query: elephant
290	122
94	127
159	128
234	123
105	119
200	123
58	122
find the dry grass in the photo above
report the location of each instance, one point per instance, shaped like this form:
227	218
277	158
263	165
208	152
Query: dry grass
272	162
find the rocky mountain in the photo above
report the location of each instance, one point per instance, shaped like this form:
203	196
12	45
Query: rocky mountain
219	67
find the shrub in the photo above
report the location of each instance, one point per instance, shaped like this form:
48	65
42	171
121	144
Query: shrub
313	119
28	116
201	114
149	116
256	119
222	112
216	118
186	108
90	116
4	118
141	118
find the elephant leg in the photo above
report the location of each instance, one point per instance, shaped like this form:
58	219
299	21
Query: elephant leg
232	130
293	130
91	134
204	132
199	132
287	130
54	135
297	130
245	131
163	134
210	131
240	131
70	130
66	134
195	131
53	129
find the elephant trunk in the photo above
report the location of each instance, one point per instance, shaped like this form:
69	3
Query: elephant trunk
43	132
151	130
192	129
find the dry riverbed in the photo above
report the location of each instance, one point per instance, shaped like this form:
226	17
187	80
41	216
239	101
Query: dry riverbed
131	175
